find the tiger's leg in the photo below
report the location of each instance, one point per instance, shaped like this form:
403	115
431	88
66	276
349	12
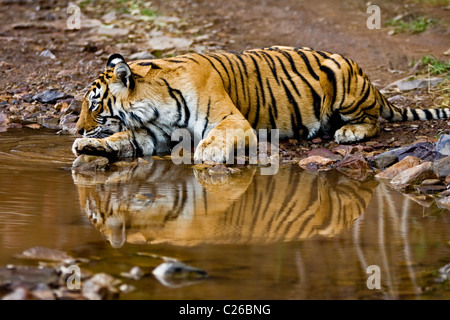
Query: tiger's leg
349	93
233	131
119	145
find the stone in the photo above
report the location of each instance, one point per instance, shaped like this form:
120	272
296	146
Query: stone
175	274
345	150
47	54
100	286
19	293
316	162
400	166
442	167
44	254
142	55
431	182
444	202
413	175
51	96
135	273
443	145
109	17
405	85
74	106
86	162
430	188
163	43
4	119
423	150
112	32
384	160
355	167
325	153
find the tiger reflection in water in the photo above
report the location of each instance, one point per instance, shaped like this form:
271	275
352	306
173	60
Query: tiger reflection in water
161	202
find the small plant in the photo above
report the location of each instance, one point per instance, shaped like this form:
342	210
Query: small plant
435	66
417	25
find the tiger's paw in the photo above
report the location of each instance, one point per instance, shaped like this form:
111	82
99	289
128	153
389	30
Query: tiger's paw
92	146
356	132
214	150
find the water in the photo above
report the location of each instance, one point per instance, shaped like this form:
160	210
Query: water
294	235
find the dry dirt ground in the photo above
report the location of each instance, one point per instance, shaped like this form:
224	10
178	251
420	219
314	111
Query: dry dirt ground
30	28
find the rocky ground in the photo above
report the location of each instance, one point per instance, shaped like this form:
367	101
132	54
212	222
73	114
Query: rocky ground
46	66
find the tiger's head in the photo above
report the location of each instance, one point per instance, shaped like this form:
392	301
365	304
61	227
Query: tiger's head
98	117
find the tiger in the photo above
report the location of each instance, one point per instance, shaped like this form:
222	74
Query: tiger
133	108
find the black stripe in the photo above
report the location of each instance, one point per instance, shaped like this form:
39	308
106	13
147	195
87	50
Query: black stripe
260	82
308	65
146	63
214	67
349	110
288	76
428	114
273	107
180	105
297	121
414	113
271	65
236	88
206	118
192	59
226	70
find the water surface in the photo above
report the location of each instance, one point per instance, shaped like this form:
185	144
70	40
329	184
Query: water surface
294	235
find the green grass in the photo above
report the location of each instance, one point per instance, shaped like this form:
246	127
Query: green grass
435	66
417	25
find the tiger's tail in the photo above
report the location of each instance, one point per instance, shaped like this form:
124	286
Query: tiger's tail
392	113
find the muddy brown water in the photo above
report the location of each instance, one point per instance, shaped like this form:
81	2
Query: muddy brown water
293	235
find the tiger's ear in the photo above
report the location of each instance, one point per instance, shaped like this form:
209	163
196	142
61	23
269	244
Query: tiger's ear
122	70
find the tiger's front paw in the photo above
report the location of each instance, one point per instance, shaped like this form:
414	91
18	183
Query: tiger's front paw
214	150
92	146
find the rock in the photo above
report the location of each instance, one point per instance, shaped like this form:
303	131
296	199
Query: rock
397	99
316	163
43	292
142	55
384	160
27	276
51	96
430	188
405	85
112	32
325	153
176	274
74	106
101	286
135	273
44	254
423	150
431	182
443	145
394	170
162	42
4	119
109	17
355	167
444	203
345	150
90	163
19	293
47	54
442	167
447	179
413	175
